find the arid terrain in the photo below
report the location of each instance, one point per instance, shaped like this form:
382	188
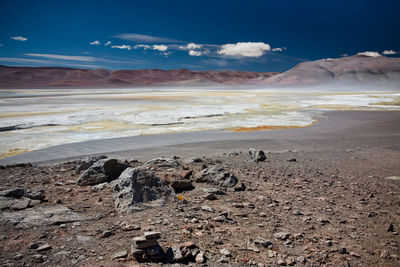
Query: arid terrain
330	201
344	71
30	77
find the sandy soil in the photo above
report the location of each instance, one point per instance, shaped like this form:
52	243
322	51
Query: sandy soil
325	186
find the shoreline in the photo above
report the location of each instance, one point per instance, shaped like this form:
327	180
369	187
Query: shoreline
331	125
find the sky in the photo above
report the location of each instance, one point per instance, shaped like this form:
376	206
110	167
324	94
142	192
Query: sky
251	35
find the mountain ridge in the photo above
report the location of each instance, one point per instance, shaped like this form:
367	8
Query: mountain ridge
11	77
351	70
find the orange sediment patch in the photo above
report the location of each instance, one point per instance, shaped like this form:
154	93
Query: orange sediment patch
13	152
269	127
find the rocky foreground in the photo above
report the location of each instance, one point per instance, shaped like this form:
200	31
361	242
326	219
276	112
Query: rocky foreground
241	208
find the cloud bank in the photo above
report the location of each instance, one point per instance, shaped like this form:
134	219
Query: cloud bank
369	54
95	43
195	53
161	48
127	47
19	38
63	57
389	52
143	38
244	49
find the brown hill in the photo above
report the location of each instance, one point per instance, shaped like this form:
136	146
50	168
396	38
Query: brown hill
33	77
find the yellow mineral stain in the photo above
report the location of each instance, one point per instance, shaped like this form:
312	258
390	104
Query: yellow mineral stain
152	98
26	114
270	127
13	152
335	107
388	103
100	125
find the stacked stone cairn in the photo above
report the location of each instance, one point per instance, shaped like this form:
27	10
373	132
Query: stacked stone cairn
146	248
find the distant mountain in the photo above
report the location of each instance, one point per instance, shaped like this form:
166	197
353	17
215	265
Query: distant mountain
354	70
34	77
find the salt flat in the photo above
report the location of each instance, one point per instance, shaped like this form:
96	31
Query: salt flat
40	118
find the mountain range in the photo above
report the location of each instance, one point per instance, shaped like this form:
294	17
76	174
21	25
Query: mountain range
350	70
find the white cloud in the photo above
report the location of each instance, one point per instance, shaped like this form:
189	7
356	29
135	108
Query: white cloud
193	46
161	48
389	52
190	46
108	43
128	47
278	49
244	49
136	37
195	53
63	57
19	38
23	60
95	43
142	46
369	54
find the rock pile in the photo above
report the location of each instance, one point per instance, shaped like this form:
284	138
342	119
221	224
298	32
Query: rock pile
146	248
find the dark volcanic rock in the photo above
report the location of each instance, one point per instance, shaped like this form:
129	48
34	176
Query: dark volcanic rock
137	188
181	185
163	162
16	192
257	155
217	176
104	170
84	165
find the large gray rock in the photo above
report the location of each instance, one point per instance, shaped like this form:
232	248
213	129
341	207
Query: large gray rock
138	188
86	164
14	203
104	170
42	216
216	176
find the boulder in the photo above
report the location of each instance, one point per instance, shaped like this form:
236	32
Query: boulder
104	170
137	188
86	164
16	192
216	176
14	203
163	162
36	195
179	181
181	185
257	155
42	216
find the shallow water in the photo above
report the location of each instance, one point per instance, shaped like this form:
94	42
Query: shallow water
35	118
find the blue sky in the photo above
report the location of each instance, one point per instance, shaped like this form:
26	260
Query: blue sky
251	35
